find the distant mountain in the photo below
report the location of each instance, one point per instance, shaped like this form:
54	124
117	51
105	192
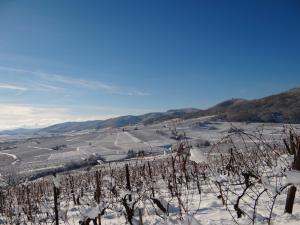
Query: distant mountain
148	118
71	126
283	107
19	131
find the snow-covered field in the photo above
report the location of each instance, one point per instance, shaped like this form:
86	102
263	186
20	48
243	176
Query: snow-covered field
113	144
155	199
241	178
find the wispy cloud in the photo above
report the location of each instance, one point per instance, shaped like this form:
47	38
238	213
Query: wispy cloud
95	85
77	82
11	69
139	93
46	87
82	83
12	87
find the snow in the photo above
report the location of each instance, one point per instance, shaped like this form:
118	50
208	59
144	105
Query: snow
40	169
293	177
271	188
134	139
197	156
220	178
205	208
90	212
189	220
283	161
111	181
40	148
11	155
116	140
56	181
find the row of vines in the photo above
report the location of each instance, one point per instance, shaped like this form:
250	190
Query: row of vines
244	172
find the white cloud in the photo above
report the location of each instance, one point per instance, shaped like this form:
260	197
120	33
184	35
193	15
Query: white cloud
96	85
12	87
34	116
26	116
139	93
78	82
82	83
46	87
11	69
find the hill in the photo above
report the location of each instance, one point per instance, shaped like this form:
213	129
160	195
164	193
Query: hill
283	107
121	121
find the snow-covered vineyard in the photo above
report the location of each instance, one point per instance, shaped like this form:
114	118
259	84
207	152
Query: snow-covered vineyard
243	179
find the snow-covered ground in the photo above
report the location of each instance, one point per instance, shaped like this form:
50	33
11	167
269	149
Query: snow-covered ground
165	189
114	144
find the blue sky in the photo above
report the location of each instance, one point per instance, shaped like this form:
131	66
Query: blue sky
81	60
